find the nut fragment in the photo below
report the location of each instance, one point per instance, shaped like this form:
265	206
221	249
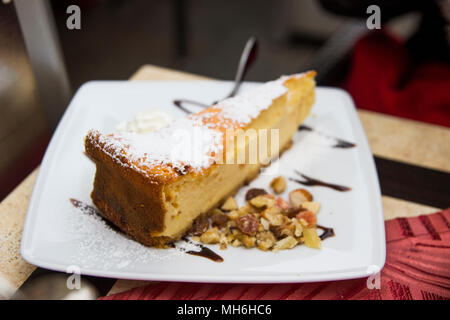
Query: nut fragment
285	243
254	193
298	196
265	224
307	218
274	216
265	221
210	236
292	212
312	206
219	219
233	215
248	224
278	184
298	227
229	204
248	241
262	201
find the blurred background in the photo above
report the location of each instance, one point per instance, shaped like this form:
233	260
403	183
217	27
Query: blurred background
402	69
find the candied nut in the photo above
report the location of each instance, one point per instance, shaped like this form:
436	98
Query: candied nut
278	184
251	193
248	224
311	238
292	212
282	204
307	218
210	236
285	243
298	196
219	219
274	216
229	204
312	206
248	241
199	226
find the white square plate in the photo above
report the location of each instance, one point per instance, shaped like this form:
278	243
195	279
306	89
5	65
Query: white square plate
58	236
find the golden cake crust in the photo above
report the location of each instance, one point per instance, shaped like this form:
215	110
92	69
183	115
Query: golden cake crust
134	195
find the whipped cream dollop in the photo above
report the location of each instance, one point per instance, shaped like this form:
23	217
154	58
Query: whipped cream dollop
145	121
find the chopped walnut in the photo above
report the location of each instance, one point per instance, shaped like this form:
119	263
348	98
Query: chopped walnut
285	243
265	221
278	184
211	236
274	216
248	241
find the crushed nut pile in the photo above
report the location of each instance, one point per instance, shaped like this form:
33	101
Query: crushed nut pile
266	221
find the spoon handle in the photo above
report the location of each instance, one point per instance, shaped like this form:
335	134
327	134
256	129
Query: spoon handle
247	58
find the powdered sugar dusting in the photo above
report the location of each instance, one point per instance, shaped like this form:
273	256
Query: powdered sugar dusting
248	105
99	245
194	142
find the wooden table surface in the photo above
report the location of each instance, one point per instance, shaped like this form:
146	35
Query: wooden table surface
391	138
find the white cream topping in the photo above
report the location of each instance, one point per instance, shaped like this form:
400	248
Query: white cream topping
145	121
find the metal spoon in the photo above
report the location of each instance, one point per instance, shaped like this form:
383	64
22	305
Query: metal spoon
248	56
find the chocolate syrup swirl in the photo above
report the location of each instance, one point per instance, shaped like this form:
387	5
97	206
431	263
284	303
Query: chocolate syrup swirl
315	182
179	103
204	251
338	143
327	232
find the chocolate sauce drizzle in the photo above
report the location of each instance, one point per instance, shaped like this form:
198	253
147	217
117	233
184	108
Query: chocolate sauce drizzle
179	104
204	251
315	182
327	232
339	143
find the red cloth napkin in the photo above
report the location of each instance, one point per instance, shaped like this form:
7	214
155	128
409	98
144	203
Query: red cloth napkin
383	77
417	267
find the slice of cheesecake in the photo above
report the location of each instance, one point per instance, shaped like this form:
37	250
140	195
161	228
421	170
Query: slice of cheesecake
153	185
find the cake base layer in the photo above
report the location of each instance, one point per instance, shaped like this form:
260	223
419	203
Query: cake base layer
157	213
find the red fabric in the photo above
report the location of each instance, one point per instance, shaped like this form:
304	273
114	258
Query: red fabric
383	78
417	267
